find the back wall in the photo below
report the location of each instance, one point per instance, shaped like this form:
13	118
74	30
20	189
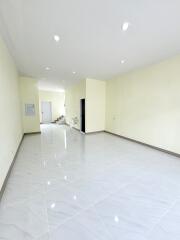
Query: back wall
57	100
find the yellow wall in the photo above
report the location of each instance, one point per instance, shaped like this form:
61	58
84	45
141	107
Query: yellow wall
30	95
145	105
72	101
94	93
95	105
57	102
10	119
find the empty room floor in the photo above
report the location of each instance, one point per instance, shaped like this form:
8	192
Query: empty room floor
65	185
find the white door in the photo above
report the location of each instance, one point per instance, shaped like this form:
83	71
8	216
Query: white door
46	112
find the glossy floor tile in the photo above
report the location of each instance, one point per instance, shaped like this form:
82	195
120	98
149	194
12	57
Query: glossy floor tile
66	185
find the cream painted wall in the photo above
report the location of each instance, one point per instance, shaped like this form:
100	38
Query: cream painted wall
72	101
30	94
145	105
94	92
57	100
10	120
95	105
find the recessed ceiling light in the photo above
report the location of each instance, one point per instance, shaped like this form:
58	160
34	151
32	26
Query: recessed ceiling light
47	68
56	38
125	26
116	219
122	61
53	205
74	72
75	197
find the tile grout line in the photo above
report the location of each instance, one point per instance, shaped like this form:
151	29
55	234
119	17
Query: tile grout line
162	216
107	229
87	208
101	220
46	208
91	206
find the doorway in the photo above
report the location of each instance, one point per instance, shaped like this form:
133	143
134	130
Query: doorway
82	115
46	111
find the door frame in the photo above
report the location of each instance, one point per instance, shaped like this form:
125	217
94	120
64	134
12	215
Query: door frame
81	100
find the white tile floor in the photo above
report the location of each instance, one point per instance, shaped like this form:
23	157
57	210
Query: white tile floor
67	186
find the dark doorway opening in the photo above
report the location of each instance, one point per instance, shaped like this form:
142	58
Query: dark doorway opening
82	113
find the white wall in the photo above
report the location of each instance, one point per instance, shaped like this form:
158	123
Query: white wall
145	105
10	118
30	95
95	105
57	100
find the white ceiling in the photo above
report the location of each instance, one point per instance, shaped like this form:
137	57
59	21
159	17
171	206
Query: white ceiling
91	39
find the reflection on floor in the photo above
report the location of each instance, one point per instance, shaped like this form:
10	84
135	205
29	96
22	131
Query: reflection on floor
69	186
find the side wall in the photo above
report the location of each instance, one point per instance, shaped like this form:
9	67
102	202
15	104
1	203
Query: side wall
72	102
10	120
57	101
145	105
30	95
95	105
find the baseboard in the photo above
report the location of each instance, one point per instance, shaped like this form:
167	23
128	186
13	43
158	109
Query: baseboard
32	133
10	169
87	133
145	144
102	131
76	129
67	124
